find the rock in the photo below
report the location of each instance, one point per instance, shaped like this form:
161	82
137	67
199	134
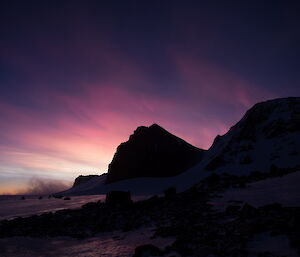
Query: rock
248	211
246	160
152	152
215	163
235	201
118	198
170	192
58	196
275	207
92	205
147	251
82	179
232	209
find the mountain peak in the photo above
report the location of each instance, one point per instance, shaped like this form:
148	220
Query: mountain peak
155	126
268	130
152	127
152	152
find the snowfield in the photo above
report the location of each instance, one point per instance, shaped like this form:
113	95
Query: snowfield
283	190
13	206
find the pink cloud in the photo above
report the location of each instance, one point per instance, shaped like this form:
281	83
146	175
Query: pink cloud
208	82
68	134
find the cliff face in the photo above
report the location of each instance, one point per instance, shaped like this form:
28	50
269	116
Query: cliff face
152	152
82	179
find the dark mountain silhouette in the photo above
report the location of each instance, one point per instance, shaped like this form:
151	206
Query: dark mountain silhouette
82	179
266	139
152	152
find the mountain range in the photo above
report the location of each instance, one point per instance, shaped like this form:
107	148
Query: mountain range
153	159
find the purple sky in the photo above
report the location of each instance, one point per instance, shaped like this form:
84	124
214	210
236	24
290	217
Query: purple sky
77	77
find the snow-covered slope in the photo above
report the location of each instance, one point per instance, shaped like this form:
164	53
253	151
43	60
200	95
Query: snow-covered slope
283	190
140	186
268	135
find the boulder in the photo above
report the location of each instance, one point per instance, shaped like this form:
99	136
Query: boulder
147	250
248	211
170	192
118	198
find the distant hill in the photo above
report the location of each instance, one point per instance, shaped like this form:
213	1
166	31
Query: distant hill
152	152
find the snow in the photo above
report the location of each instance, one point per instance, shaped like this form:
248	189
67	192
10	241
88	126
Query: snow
277	245
283	190
13	206
143	186
108	244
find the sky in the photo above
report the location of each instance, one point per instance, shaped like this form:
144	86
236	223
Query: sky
78	77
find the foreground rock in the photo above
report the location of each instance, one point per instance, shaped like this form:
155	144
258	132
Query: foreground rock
199	229
147	250
118	198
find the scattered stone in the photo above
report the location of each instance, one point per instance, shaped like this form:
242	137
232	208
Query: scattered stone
170	192
58	196
235	201
215	163
230	209
246	160
248	211
118	198
147	250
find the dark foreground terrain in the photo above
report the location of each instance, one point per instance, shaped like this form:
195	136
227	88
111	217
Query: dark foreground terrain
198	228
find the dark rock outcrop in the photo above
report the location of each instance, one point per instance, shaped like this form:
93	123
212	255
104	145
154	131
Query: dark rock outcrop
147	250
82	179
170	192
152	152
118	198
